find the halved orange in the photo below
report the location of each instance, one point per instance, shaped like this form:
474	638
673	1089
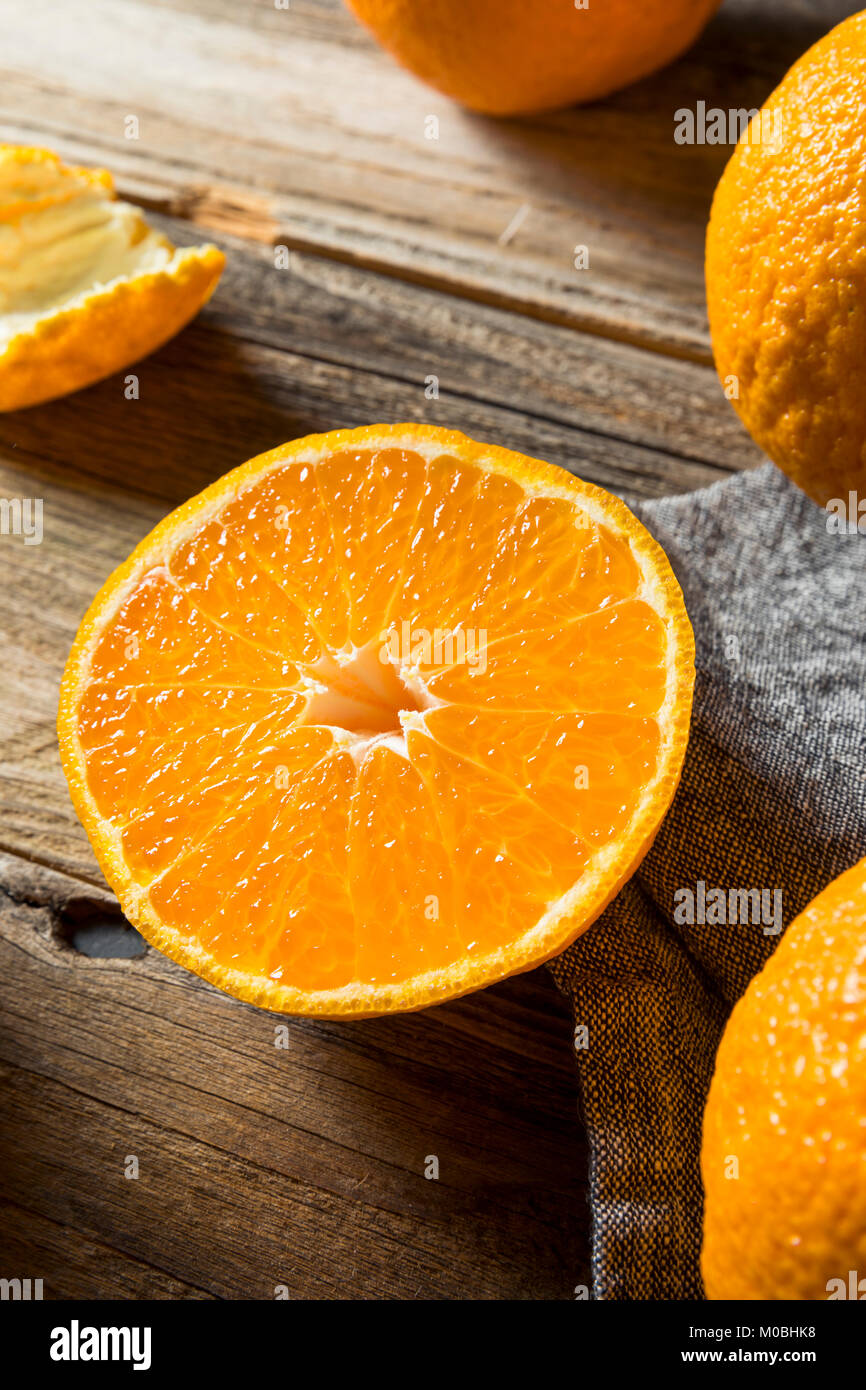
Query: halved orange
86	287
378	718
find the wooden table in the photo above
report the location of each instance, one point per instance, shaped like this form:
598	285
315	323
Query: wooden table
410	258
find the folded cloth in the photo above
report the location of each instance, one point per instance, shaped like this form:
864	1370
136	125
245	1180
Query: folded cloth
772	799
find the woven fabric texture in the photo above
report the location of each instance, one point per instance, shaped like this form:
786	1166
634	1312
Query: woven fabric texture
772	800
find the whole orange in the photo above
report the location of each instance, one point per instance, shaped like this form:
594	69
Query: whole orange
784	1149
786	270
510	56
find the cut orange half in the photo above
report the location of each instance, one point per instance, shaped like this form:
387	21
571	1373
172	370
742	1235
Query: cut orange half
86	287
380	717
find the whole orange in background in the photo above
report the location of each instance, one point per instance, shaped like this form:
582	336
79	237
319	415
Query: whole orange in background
784	1150
510	56
378	718
786	270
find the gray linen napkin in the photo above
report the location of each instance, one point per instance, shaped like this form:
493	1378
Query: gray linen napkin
773	799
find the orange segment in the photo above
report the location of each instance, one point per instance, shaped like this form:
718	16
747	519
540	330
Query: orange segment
159	636
579	769
380	717
611	661
510	860
152	744
268	884
400	874
372	515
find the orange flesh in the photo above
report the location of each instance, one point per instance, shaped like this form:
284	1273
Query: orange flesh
314	813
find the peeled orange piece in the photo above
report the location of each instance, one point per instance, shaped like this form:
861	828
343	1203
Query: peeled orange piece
86	287
378	718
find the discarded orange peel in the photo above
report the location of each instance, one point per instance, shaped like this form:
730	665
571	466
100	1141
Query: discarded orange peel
86	287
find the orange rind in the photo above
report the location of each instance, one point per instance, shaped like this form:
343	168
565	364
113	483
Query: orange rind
86	287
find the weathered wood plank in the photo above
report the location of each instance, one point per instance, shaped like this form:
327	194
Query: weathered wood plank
293	125
73	1266
261	1165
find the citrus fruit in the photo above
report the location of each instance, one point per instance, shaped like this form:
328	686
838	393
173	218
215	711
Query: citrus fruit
506	56
379	717
786	270
86	287
784	1149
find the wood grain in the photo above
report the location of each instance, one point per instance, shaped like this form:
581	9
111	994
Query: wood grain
262	1166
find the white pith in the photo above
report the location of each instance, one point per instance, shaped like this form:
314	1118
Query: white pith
65	239
365	699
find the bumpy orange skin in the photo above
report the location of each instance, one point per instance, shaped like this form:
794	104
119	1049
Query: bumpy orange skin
504	57
786	270
788	1102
